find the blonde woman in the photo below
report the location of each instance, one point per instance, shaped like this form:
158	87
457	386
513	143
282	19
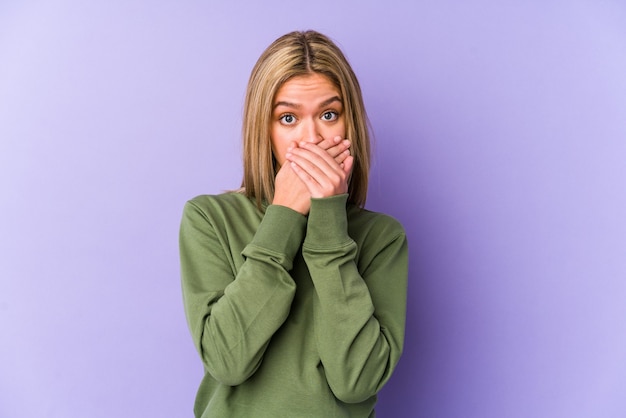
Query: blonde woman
295	295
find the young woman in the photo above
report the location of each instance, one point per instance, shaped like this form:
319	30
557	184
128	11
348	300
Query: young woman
295	295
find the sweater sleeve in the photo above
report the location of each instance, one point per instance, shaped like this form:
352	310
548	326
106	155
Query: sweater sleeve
232	315
360	315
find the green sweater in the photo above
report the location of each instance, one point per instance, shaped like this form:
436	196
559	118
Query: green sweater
293	316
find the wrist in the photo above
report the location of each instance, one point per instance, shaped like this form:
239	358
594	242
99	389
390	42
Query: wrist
300	205
327	225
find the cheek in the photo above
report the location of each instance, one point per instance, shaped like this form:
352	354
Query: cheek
340	129
278	140
276	149
331	131
279	145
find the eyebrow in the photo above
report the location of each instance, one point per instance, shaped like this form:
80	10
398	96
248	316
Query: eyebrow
298	106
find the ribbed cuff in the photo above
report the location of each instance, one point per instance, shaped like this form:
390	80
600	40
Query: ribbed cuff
281	231
328	222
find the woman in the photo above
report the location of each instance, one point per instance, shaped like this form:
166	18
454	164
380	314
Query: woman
295	296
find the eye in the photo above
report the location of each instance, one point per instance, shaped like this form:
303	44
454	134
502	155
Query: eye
287	119
330	116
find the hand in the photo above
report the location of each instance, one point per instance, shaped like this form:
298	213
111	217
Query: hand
319	170
290	191
337	148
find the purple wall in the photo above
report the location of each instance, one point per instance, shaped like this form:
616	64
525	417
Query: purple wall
501	146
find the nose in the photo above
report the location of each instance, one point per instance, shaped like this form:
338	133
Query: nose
311	132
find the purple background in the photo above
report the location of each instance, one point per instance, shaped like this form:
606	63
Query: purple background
500	145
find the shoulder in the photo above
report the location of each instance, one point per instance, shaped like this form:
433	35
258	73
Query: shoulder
221	208
363	222
367	219
214	206
219	202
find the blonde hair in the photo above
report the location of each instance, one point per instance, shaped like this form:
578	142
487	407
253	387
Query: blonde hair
291	55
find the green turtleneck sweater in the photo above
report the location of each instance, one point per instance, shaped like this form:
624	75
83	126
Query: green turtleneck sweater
292	315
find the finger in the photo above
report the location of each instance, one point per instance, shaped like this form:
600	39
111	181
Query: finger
310	162
339	148
335	146
312	183
320	185
292	145
348	165
328	176
324	170
291	191
328	143
322	155
341	157
318	162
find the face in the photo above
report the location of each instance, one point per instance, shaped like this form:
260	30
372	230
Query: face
306	108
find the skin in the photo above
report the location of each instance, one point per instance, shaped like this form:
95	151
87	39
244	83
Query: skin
307	131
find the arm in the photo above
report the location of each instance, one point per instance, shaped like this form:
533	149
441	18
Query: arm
233	314
361	310
360	316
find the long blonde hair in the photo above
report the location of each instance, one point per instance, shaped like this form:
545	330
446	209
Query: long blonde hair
291	55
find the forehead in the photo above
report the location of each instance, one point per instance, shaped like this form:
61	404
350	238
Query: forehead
306	88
